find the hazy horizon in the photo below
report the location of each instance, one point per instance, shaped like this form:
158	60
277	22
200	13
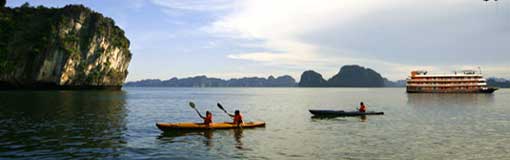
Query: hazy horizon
257	38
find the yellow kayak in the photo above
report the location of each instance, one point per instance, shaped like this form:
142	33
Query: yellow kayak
221	125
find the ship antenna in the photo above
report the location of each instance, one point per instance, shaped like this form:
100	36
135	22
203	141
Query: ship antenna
480	69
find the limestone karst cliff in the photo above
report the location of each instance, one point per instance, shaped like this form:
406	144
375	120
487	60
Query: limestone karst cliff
356	76
348	76
312	79
61	48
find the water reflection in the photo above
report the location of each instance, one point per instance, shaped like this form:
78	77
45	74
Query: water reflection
171	136
430	99
238	134
362	118
62	124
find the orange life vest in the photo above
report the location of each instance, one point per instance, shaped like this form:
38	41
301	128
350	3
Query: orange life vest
208	120
362	108
238	119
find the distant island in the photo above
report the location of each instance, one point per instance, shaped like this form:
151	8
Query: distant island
349	76
61	48
498	82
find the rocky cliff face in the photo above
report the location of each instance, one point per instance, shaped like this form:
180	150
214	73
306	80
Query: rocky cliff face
61	48
312	79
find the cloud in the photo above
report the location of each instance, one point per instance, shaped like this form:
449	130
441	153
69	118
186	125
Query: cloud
196	5
391	35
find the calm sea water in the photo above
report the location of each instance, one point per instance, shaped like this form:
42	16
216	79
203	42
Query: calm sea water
121	124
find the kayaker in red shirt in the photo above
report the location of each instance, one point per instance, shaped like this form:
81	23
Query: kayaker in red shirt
208	119
237	117
362	107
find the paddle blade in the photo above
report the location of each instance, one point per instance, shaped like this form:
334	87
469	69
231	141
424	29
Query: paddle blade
192	105
220	106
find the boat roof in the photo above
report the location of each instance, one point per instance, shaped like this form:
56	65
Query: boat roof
462	73
450	75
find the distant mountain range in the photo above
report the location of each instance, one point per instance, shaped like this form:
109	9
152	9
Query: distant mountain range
203	81
348	76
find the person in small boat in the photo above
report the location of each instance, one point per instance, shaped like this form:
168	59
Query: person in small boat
237	117
362	107
208	118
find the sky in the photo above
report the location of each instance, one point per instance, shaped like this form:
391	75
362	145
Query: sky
245	38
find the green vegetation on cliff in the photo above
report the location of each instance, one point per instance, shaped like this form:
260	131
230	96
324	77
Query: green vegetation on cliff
71	46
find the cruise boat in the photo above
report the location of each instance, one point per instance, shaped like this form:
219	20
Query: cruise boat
467	81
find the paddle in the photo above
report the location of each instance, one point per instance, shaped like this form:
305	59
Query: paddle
223	109
192	105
